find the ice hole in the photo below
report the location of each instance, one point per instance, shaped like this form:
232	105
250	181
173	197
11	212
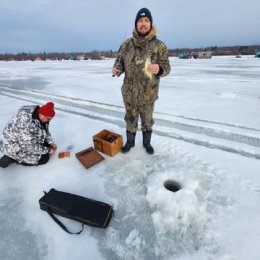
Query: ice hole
172	185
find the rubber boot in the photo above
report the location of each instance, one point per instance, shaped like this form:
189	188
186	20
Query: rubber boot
129	143
5	161
147	142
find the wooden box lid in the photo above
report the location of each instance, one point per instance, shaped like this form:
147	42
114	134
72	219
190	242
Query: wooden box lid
89	157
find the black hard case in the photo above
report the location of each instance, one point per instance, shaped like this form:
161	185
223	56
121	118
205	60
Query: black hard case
87	211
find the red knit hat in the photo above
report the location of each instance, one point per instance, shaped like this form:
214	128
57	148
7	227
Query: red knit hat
47	109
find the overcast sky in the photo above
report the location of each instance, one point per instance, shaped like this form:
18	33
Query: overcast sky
84	25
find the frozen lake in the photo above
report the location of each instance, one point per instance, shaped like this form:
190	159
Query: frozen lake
206	137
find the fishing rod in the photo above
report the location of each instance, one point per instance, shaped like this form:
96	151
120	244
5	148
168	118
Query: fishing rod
120	58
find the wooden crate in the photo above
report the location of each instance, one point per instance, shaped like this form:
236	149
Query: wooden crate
108	142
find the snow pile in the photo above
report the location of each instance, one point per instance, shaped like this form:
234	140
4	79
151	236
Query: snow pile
181	218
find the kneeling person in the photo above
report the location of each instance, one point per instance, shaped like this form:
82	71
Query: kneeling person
26	138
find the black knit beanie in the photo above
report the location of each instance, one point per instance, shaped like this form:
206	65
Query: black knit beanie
144	12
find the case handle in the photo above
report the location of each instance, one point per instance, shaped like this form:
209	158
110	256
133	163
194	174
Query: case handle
61	224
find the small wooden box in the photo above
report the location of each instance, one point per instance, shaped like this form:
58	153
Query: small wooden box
108	142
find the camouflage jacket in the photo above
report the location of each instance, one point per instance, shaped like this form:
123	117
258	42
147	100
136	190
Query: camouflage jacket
135	54
24	136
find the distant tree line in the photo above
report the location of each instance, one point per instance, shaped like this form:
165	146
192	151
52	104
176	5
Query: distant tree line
98	55
218	51
23	56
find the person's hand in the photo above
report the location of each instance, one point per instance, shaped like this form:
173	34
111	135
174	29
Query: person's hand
153	68
116	72
52	151
53	146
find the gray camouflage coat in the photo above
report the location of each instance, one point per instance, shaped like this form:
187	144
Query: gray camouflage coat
24	136
135	54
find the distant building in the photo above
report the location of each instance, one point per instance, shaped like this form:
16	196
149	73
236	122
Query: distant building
38	59
80	57
204	55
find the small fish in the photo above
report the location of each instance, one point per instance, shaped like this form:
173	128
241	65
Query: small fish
146	71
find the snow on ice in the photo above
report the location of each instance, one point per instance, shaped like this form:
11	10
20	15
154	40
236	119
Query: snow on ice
206	139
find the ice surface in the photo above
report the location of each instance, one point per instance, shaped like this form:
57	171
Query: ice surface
207	138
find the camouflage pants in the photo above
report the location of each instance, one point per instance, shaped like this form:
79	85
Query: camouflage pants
132	115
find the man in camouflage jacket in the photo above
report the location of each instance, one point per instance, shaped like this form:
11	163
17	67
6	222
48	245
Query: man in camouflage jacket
144	59
26	138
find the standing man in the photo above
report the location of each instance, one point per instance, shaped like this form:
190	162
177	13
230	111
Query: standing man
144	59
26	138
